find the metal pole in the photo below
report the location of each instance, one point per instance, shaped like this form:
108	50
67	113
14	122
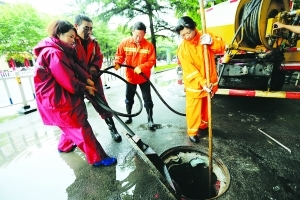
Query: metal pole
207	75
18	78
7	91
275	140
31	86
25	108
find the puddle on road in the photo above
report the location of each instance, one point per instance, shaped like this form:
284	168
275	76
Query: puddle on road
15	145
143	127
169	85
126	176
136	180
31	167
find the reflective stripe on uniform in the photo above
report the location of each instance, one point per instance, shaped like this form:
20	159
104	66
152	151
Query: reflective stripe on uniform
195	90
193	129
192	74
132	49
146	51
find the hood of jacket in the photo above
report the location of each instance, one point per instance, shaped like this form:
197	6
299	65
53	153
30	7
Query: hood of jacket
53	43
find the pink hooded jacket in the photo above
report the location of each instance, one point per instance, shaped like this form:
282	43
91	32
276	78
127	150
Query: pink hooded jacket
59	92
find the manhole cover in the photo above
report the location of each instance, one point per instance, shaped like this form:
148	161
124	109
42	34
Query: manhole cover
189	171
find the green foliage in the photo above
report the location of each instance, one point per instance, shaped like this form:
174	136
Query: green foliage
130	9
296	4
163	46
165	67
190	8
108	39
21	28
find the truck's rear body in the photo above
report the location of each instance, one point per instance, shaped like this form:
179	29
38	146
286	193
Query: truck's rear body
257	57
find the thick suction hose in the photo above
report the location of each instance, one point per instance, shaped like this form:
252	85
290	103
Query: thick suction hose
246	14
106	107
251	11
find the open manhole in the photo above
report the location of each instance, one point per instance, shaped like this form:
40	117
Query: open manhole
189	171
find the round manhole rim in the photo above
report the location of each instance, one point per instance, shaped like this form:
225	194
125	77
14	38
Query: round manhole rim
216	160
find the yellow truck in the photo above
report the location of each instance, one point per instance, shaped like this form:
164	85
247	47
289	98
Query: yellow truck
257	57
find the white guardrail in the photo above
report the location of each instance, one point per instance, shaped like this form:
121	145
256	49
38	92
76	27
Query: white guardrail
17	87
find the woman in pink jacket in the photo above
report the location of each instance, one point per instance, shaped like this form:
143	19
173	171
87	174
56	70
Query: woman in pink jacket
60	85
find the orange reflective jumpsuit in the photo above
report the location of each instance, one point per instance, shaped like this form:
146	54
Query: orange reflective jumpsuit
190	54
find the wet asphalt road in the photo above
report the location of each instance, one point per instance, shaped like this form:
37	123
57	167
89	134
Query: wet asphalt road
31	167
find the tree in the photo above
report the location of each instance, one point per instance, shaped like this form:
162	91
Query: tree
130	9
87	7
165	47
21	28
296	4
107	38
190	8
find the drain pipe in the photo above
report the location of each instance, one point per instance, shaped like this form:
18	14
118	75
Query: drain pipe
207	73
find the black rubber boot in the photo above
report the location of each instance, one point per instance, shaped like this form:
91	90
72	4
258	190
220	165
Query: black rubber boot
128	109
113	131
150	119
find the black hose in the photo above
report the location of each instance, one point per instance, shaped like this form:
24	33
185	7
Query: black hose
106	107
249	9
244	18
251	23
116	114
178	113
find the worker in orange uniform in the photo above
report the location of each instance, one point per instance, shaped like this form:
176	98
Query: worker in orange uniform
191	55
139	53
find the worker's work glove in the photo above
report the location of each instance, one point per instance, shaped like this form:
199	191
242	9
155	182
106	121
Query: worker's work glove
205	88
208	89
137	70
117	66
205	39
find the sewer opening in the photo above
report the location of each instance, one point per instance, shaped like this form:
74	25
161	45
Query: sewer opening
189	171
192	181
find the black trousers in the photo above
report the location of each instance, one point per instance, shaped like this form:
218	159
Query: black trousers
146	93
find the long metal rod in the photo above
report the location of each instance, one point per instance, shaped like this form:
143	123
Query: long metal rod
207	73
275	140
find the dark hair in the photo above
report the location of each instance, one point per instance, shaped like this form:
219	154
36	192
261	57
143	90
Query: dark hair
59	27
81	17
139	26
185	22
